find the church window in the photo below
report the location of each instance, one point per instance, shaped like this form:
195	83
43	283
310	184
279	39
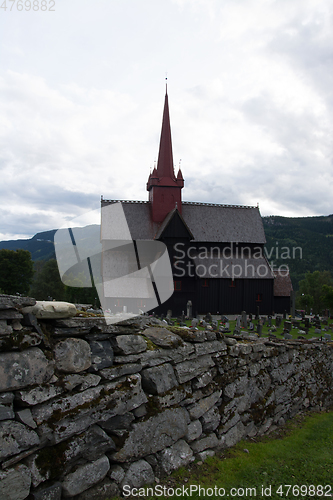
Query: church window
178	285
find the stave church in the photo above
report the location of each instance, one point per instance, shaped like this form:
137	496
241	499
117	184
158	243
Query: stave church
216	251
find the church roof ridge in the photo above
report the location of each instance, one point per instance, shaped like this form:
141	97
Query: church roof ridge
203	204
193	203
125	201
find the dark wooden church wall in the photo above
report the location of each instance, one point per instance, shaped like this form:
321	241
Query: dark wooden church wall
281	304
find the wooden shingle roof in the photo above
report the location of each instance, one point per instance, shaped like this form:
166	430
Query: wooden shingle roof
207	222
224	223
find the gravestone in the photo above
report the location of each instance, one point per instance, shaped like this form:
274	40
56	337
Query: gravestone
208	318
278	321
287	326
251	327
194	322
259	328
288	336
214	324
238	322
306	323
189	309
226	325
317	330
257	314
169	314
327	336
269	321
285	314
244	319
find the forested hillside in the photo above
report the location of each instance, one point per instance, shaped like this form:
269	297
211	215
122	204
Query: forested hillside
314	235
41	246
303	243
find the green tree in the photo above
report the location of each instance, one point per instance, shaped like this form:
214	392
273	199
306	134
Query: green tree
16	271
328	296
79	291
312	289
47	282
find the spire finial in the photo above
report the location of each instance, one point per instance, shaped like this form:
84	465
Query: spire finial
166	82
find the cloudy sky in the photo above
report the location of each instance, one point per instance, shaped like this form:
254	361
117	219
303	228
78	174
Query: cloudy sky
82	84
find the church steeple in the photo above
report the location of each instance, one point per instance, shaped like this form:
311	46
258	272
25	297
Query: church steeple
165	157
163	186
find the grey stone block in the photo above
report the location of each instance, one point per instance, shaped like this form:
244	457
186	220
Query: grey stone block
103	491
15	483
232	437
198	409
15	437
194	430
118	422
78	411
5	329
7	301
102	355
210	347
25	417
209	441
178	455
205	454
187	370
117	473
85	476
72	355
163	337
158	379
83	381
20	369
210	420
37	395
49	493
128	344
119	371
138	474
6	406
167	427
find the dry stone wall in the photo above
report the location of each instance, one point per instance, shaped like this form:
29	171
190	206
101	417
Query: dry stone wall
86	408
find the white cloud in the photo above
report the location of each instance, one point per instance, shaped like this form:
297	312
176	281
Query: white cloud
81	97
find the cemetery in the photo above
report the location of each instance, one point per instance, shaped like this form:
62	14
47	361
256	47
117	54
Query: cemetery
87	408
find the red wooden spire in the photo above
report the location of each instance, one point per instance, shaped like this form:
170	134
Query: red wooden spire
164	188
165	158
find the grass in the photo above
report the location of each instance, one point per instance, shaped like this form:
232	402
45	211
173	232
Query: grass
300	453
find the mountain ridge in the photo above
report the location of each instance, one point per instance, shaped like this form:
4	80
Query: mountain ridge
313	235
